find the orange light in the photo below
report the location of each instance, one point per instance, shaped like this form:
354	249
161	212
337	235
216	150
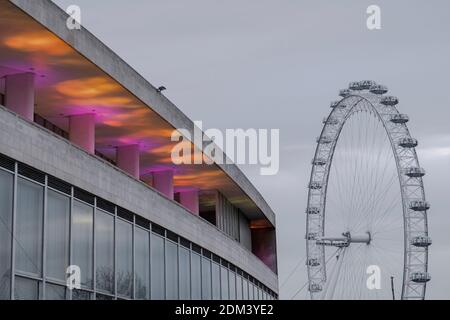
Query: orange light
42	41
88	87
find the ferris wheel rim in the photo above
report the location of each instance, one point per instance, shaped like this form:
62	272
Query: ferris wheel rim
412	288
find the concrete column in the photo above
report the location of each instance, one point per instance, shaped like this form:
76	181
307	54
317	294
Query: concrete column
128	159
163	182
82	131
189	200
19	94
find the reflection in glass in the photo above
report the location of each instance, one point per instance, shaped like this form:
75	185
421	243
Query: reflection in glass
196	276
232	278
184	274
54	292
238	288
6	200
216	281
124	247
142	268
245	290
157	267
81	295
26	289
224	283
57	235
30	204
171	270
104	250
82	241
206	279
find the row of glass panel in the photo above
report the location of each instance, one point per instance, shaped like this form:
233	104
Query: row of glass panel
117	258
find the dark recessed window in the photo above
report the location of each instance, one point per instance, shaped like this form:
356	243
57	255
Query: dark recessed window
216	258
207	253
185	243
105	205
172	236
196	248
59	185
31	173
144	223
84	196
125	214
7	163
158	230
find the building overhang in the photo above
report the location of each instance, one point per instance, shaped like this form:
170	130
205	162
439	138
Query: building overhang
77	74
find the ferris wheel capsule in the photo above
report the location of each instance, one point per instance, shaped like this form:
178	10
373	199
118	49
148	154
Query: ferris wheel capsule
314	185
420	277
330	121
345	93
378	89
415	172
315	287
389	101
421	241
419	205
313	262
313	210
399	118
311	236
361	85
337	104
408	142
325	140
319	162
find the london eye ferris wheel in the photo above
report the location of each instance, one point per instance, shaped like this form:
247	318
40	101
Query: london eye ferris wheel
366	209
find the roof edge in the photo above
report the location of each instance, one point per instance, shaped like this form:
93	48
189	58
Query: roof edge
54	19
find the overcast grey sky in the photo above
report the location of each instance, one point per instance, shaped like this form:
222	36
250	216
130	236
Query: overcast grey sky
278	64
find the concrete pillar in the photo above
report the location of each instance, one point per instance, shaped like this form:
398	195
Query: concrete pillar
82	131
189	200
163	182
128	159
19	94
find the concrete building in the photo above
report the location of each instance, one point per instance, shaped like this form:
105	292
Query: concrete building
86	180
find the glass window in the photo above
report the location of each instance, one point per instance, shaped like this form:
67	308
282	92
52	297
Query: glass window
103	297
26	289
224	283
157	267
245	289
196	276
251	289
171	270
124	249
54	292
104	251
142	268
238	288
82	241
30	204
215	281
57	235
206	279
184	274
81	295
6	200
232	281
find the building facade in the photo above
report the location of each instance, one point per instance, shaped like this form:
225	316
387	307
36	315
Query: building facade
87	186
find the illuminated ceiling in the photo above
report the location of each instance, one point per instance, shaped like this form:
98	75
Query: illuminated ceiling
69	84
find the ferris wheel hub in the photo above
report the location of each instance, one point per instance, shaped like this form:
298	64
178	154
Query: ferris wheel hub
345	241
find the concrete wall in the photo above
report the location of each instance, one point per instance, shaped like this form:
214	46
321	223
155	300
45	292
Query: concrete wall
45	151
